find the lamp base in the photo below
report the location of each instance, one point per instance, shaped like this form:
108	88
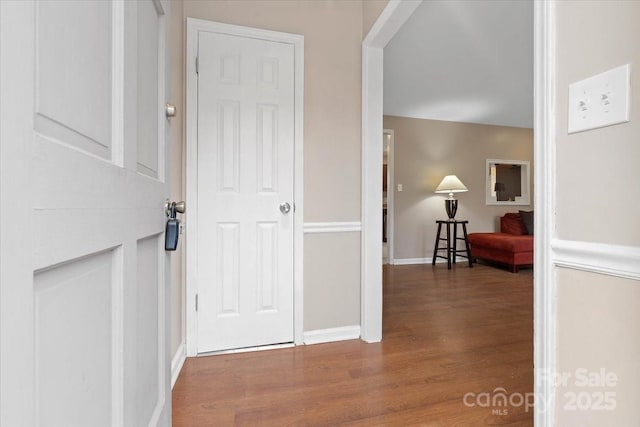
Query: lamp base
451	205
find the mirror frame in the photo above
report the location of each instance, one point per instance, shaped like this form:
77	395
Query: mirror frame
525	183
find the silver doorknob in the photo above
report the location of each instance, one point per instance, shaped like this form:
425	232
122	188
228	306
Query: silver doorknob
180	207
170	110
285	207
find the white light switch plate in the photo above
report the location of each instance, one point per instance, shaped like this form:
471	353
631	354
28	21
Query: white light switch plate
599	101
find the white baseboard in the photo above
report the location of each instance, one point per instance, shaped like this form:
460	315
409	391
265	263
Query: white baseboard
176	364
410	261
332	334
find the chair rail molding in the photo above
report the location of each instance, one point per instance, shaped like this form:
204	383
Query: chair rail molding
332	227
612	260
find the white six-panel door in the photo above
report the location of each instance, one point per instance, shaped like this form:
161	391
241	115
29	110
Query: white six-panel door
245	171
84	334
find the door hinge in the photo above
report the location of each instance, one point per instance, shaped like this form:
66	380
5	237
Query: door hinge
196	302
197	65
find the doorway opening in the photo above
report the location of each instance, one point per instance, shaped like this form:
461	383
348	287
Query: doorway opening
388	23
387	197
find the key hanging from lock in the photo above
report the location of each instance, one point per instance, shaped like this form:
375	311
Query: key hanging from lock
172	230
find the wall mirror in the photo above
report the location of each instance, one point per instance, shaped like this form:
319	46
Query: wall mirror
508	182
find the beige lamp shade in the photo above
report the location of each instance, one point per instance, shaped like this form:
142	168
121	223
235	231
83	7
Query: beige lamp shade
451	184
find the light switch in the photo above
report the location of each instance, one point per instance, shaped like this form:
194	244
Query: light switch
599	101
399	187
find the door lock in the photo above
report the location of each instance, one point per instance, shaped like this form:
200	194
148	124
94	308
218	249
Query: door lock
170	110
179	206
285	208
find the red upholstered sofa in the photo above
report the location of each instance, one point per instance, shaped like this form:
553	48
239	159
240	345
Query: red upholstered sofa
512	246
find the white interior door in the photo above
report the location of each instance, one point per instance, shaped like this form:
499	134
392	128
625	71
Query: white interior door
245	164
83	292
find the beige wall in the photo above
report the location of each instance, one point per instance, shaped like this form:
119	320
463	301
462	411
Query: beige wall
598	193
598	322
332	268
371	9
603	161
427	150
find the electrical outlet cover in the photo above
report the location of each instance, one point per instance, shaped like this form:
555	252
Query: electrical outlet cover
599	101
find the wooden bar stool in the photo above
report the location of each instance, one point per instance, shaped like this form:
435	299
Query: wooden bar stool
452	243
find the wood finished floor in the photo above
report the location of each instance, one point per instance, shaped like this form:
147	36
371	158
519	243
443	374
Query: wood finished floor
445	334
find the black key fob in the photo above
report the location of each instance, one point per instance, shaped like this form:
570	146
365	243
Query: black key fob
172	230
171	234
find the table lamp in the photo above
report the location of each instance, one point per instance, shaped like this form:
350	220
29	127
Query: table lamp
451	184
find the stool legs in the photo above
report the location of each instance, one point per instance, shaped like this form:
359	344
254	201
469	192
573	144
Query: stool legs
449	245
452	243
455	241
466	244
435	248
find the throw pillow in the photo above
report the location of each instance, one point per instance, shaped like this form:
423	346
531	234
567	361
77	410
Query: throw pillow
527	219
511	223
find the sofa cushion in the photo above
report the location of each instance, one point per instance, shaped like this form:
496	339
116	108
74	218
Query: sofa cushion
511	223
502	241
527	220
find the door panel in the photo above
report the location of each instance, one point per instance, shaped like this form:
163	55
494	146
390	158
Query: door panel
91	297
147	89
267	282
74	74
267	161
228	145
149	304
229	268
73	362
245	171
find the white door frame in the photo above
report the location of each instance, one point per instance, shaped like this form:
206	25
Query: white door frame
544	148
391	19
394	15
194	26
390	195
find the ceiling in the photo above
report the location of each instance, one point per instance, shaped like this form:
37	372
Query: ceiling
465	61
